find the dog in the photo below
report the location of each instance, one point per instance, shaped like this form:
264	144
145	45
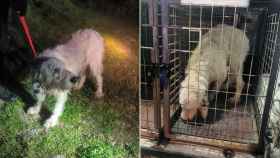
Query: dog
57	71
222	50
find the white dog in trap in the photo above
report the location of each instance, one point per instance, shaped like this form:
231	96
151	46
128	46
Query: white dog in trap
221	51
65	67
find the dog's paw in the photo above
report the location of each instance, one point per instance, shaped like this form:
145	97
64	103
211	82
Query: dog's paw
33	110
99	94
51	122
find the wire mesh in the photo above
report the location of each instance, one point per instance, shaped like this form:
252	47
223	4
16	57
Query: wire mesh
226	121
150	108
146	69
271	47
269	51
146	63
235	122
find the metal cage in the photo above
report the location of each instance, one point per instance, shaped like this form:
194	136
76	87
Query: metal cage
170	34
150	83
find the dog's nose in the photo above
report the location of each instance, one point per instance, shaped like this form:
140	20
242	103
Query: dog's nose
184	121
36	91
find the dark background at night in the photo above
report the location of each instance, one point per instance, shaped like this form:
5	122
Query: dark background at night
123	8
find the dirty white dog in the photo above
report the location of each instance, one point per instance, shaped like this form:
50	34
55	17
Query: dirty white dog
220	51
65	67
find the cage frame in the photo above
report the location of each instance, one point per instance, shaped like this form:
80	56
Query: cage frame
224	144
155	103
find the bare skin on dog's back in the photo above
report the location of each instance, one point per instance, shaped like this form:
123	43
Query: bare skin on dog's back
73	52
225	45
221	50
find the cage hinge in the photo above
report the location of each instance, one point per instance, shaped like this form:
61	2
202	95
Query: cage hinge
164	74
156	71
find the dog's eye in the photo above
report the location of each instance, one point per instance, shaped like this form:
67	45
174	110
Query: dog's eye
36	91
74	79
56	70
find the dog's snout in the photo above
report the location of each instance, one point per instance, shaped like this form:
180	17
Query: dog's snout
36	91
36	88
36	85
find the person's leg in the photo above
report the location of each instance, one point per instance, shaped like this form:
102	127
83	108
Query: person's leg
17	88
4	13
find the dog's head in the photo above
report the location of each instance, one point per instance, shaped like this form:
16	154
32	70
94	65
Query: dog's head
188	114
50	73
193	102
190	108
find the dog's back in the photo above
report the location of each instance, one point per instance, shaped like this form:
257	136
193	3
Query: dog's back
84	49
223	47
227	40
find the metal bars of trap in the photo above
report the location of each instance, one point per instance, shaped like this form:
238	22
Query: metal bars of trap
199	23
150	81
245	123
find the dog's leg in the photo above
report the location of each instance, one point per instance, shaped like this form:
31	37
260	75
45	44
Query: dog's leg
99	82
81	83
239	87
41	96
203	111
59	107
96	72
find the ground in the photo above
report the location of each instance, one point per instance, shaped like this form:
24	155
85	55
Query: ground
88	128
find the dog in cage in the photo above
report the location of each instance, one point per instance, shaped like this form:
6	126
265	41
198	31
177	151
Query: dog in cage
217	59
65	67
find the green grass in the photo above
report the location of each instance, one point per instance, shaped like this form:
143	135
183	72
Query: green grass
88	128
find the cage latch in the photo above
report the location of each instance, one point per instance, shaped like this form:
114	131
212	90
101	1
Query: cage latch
155	71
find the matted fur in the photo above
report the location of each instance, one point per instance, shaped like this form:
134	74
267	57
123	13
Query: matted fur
65	67
83	52
221	50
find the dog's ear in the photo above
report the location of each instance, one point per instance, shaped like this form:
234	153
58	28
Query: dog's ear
57	73
75	79
38	61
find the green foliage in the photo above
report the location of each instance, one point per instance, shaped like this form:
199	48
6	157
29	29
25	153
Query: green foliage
100	149
85	130
88	128
10	125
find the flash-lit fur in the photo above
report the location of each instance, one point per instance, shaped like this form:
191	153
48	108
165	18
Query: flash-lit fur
65	67
221	50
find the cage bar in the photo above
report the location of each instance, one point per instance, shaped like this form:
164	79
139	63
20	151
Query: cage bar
150	103
239	126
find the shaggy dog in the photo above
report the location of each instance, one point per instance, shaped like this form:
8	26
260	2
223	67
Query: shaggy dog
65	67
220	51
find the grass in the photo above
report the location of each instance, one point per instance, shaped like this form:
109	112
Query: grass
88	128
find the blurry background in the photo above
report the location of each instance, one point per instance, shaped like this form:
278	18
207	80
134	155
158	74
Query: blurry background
89	127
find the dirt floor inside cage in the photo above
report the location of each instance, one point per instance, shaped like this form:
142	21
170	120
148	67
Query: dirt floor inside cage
147	116
230	123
